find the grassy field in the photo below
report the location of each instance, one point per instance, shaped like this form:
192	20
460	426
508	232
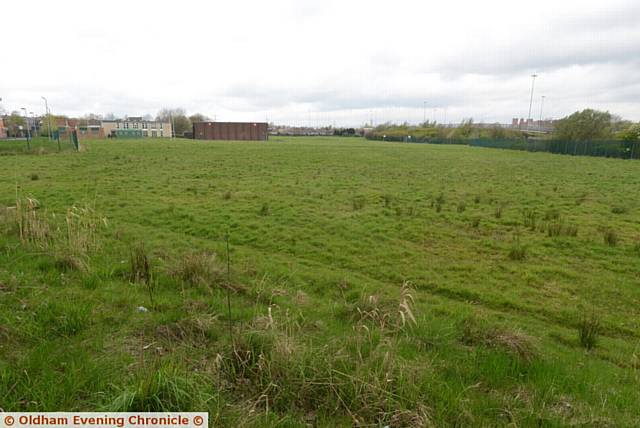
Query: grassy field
370	283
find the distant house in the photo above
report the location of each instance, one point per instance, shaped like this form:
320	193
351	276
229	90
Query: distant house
136	127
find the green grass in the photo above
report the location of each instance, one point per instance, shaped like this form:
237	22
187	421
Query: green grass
371	283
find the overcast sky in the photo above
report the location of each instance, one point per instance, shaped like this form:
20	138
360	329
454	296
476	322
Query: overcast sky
322	62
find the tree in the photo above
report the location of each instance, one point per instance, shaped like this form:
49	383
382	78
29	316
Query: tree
178	119
14	123
198	117
585	125
631	133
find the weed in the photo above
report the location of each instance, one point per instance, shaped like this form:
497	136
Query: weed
34	177
477	199
498	211
475	222
226	195
610	237
588	330
405	306
461	206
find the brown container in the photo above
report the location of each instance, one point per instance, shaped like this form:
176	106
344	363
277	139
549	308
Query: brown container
230	131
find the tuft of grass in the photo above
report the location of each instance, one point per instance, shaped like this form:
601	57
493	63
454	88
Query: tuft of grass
462	206
34	176
517	250
498	211
140	266
163	389
559	227
610	237
198	269
588	331
226	195
32	228
475	222
264	209
62	319
619	209
529	218
438	203
551	214
477	199
387	200
357	203
476	332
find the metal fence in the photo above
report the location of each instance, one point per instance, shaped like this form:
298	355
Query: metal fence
602	148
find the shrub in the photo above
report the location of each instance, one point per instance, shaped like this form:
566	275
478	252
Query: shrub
610	237
588	330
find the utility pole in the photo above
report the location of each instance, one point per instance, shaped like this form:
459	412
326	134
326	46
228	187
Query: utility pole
424	112
541	105
46	109
533	82
26	120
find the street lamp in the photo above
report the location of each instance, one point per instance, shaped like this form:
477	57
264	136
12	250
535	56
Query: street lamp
46	109
533	81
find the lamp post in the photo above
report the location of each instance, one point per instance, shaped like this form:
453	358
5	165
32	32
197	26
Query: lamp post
46	109
533	82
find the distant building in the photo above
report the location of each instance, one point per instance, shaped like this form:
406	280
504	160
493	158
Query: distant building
86	128
136	127
230	131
